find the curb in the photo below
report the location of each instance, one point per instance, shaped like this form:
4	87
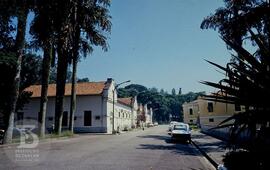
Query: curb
215	164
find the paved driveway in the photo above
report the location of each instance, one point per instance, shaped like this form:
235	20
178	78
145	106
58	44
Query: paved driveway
150	149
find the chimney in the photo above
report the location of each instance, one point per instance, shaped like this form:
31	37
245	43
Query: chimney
109	80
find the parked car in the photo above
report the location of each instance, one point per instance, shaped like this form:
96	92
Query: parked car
156	124
172	123
149	125
181	131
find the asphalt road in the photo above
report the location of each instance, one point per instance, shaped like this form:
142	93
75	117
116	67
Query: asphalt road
150	149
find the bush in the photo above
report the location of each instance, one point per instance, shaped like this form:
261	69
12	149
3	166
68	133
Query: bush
240	159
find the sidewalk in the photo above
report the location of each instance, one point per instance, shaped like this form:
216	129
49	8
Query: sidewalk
212	148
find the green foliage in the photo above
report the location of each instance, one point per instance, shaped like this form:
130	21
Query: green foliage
162	103
247	80
173	92
30	74
83	80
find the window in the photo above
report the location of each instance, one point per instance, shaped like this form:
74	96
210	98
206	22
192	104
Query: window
65	118
87	118
211	120
190	111
39	117
75	117
119	115
180	127
50	118
191	121
210	107
97	117
20	116
237	107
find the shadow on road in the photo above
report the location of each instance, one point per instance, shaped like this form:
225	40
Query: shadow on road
159	137
207	145
177	147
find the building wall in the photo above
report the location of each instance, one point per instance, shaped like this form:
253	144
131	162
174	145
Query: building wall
84	103
125	112
134	113
191	112
208	113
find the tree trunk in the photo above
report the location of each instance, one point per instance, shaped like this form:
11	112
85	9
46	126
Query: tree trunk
62	65
46	65
19	47
75	55
73	94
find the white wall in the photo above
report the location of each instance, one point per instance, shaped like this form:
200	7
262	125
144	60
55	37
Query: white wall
84	103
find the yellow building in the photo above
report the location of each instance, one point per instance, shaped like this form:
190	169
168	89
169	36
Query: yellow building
208	113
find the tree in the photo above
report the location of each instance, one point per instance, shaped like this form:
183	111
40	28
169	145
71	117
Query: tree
80	80
247	80
29	75
163	104
180	91
63	32
91	20
18	9
173	92
79	24
43	30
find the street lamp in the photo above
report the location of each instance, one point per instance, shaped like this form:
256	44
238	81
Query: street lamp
115	88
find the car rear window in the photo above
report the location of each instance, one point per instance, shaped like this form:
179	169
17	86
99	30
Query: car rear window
180	127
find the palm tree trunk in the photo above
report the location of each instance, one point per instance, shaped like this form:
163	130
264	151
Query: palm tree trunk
19	47
75	55
62	65
73	94
46	65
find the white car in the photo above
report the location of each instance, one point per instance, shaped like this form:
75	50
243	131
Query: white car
172	123
181	131
156	124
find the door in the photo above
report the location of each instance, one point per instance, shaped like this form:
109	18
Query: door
88	118
65	119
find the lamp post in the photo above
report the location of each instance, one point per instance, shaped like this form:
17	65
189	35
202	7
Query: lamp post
115	88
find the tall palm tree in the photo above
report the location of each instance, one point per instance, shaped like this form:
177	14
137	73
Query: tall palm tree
92	21
43	31
64	31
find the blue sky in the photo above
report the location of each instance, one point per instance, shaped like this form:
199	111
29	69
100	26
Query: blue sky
159	43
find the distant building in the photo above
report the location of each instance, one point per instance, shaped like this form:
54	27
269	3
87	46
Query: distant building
140	115
191	112
208	114
127	118
94	110
149	115
144	115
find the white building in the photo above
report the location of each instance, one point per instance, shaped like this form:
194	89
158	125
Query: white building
148	115
126	116
94	110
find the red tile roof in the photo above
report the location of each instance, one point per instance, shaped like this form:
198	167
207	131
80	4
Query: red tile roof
126	101
88	88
